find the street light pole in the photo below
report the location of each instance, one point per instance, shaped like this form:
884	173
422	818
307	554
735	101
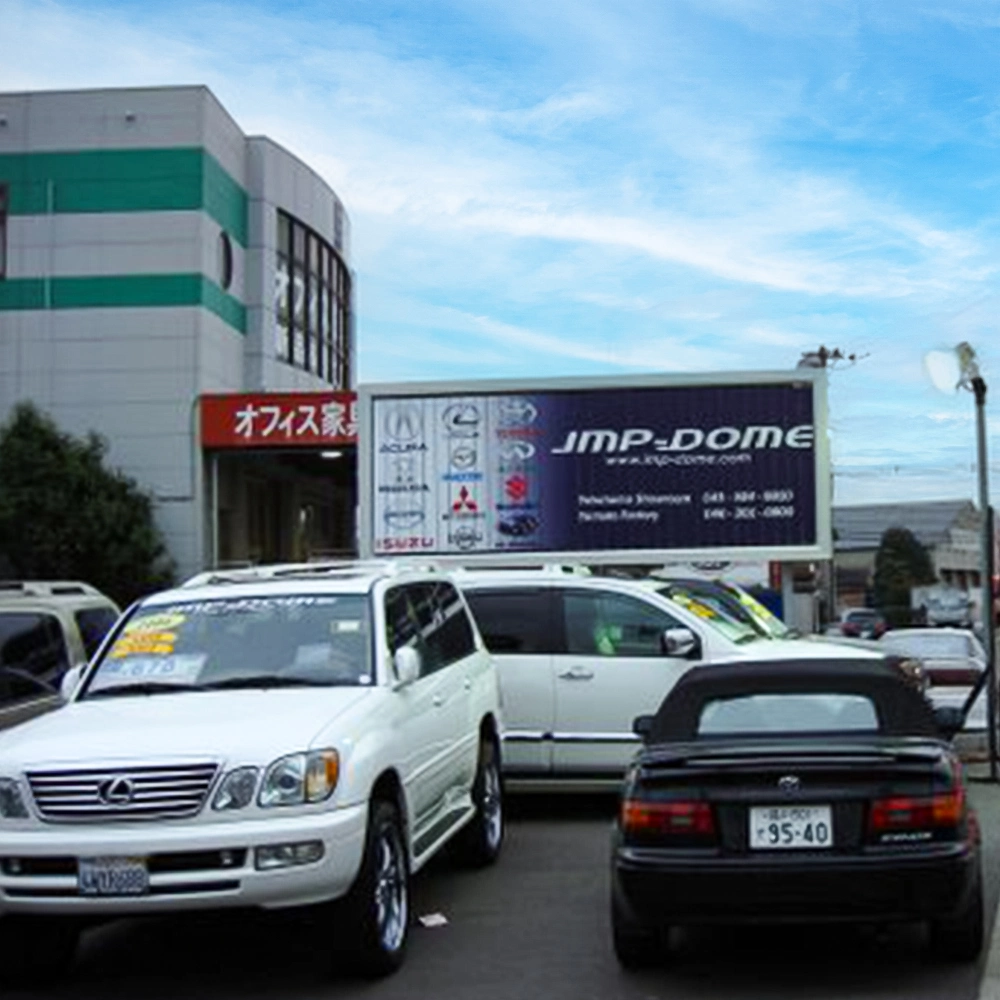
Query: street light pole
978	387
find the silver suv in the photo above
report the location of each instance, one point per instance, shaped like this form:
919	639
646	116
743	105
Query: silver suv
46	627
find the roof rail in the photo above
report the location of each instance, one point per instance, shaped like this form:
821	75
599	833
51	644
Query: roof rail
331	569
47	588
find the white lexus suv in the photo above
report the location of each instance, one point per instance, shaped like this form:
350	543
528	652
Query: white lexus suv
274	737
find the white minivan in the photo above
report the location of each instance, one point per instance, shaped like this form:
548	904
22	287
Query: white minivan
579	657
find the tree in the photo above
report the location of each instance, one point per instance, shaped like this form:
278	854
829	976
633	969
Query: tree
901	563
64	516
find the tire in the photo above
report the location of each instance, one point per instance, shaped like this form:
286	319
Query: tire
478	843
960	938
376	911
637	947
36	951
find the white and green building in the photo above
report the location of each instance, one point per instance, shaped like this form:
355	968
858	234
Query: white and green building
151	253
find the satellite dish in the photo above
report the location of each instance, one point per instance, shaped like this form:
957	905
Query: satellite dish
944	369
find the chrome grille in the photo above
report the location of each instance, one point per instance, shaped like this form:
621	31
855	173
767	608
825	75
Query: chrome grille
170	791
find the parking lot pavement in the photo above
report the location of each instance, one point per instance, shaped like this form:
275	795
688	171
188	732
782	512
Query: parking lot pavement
535	925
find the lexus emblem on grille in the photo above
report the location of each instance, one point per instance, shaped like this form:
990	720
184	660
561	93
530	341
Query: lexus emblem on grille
789	783
116	791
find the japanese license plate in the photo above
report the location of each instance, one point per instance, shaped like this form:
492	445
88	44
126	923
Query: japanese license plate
112	877
778	828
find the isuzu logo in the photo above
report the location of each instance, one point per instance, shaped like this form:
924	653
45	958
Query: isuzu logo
116	791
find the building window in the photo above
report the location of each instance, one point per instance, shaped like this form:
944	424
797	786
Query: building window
312	304
225	260
3	230
283	290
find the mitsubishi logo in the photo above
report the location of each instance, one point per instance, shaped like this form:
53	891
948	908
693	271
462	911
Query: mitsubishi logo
116	791
465	501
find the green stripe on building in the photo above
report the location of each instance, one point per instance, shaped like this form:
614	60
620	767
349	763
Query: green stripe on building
123	291
125	180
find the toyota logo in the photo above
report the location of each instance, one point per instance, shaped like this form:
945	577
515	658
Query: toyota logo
789	783
116	791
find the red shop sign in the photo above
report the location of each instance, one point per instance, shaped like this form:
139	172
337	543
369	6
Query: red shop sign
279	420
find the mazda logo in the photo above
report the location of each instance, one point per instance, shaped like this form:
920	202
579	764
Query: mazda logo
116	791
789	783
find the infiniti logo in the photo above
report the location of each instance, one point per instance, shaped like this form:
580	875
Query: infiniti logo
116	791
789	783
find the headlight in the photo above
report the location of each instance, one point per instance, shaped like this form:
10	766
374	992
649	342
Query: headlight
11	804
236	789
299	778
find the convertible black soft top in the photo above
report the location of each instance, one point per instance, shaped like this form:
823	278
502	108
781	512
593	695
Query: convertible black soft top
901	710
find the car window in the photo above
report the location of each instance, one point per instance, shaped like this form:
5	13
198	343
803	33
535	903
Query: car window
929	644
94	624
322	640
788	713
33	643
513	621
607	624
401	622
444	625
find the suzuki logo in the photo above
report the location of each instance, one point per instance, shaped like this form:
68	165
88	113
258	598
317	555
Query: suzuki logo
516	488
116	791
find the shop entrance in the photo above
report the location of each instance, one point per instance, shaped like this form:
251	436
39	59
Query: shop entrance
281	474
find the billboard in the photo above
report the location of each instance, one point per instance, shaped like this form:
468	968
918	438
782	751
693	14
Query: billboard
623	470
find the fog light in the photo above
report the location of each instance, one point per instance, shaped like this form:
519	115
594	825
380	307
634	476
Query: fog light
287	855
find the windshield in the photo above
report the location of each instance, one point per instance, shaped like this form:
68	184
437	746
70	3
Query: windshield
712	611
929	645
771	624
321	640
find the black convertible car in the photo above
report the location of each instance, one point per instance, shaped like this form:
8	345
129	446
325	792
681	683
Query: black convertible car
795	791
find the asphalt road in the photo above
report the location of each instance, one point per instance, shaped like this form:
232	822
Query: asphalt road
533	926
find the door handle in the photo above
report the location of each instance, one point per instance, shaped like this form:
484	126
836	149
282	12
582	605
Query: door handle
468	683
438	700
577	674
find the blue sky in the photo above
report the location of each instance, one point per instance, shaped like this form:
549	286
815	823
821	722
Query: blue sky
554	188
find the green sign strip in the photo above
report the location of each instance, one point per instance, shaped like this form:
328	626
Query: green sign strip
125	180
123	291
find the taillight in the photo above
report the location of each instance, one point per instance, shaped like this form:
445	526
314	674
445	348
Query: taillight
907	814
675	822
953	678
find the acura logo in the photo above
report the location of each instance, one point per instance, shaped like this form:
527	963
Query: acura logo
403	423
789	783
116	791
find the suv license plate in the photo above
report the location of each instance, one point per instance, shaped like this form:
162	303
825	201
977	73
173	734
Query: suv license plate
780	828
113	877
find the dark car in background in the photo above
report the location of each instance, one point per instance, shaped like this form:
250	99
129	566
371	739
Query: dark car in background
795	791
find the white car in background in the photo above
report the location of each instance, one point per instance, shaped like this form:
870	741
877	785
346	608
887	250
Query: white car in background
579	657
953	660
272	737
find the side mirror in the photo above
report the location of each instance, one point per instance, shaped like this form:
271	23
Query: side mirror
679	642
407	664
642	726
949	719
71	681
